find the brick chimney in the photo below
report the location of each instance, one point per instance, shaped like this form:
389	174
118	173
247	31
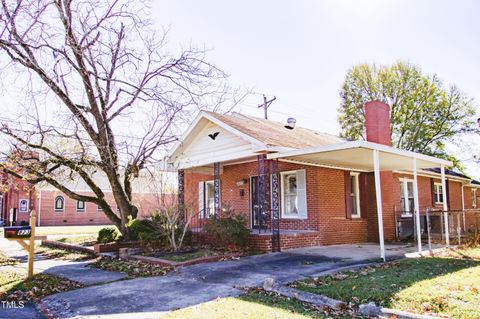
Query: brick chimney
377	122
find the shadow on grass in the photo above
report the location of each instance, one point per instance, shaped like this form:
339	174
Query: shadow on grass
381	283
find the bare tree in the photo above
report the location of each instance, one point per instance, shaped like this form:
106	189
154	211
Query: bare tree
104	66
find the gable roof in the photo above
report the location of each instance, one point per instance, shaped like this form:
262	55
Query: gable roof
274	133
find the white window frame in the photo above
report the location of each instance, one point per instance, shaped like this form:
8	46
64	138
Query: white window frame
59	210
474	198
282	195
208	211
81	210
405	181
357	194
438	197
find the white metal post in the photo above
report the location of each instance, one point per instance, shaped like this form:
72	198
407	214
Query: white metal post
378	194
445	206
417	205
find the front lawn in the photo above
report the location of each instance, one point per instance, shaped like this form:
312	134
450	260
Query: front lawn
15	287
424	285
256	305
69	230
88	240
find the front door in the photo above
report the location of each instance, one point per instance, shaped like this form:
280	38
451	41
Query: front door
254	202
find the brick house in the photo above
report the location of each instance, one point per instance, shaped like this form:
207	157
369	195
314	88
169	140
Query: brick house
299	187
56	209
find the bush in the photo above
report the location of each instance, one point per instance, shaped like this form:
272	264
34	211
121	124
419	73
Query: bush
228	230
150	232
108	235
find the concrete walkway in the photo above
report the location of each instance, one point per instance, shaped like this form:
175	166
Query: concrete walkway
148	297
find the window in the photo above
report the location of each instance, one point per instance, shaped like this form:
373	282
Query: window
206	198
438	193
80	206
293	194
59	204
289	194
209	198
474	198
355	195
406	197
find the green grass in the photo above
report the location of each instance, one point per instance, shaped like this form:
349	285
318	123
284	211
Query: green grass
425	285
15	286
251	305
180	257
89	240
69	230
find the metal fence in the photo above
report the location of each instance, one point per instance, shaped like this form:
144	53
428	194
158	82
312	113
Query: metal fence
462	225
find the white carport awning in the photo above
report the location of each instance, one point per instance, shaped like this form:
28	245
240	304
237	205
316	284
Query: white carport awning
357	155
367	156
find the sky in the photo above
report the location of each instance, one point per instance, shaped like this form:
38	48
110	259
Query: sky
300	51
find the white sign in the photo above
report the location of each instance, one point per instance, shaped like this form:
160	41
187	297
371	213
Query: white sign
23	206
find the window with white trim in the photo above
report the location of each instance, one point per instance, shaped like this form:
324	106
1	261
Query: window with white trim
59	204
406	197
293	194
438	193
206	198
474	198
80	206
355	194
209	198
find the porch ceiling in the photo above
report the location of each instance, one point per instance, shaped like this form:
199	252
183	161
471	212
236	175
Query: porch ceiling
358	155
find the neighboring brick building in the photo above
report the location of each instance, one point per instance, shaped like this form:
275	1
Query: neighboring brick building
56	209
322	187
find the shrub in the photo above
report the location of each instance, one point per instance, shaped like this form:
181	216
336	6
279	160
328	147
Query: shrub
228	230
150	232
108	235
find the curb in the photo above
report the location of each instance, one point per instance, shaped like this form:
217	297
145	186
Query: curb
174	264
400	314
57	244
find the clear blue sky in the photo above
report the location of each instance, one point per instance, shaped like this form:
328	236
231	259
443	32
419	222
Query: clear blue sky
300	50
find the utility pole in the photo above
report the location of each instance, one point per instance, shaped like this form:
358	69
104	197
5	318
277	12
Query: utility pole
266	104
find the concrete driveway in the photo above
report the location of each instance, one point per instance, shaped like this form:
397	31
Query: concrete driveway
147	297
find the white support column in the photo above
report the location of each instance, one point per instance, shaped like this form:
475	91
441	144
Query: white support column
378	193
463	209
445	206
417	205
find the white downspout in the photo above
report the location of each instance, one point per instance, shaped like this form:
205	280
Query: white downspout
417	205
378	194
445	206
463	209
39	213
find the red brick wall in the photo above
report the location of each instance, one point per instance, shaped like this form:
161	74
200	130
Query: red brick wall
146	203
325	201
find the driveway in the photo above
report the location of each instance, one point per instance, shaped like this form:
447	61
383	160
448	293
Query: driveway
147	297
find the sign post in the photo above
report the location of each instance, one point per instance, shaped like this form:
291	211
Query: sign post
21	234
